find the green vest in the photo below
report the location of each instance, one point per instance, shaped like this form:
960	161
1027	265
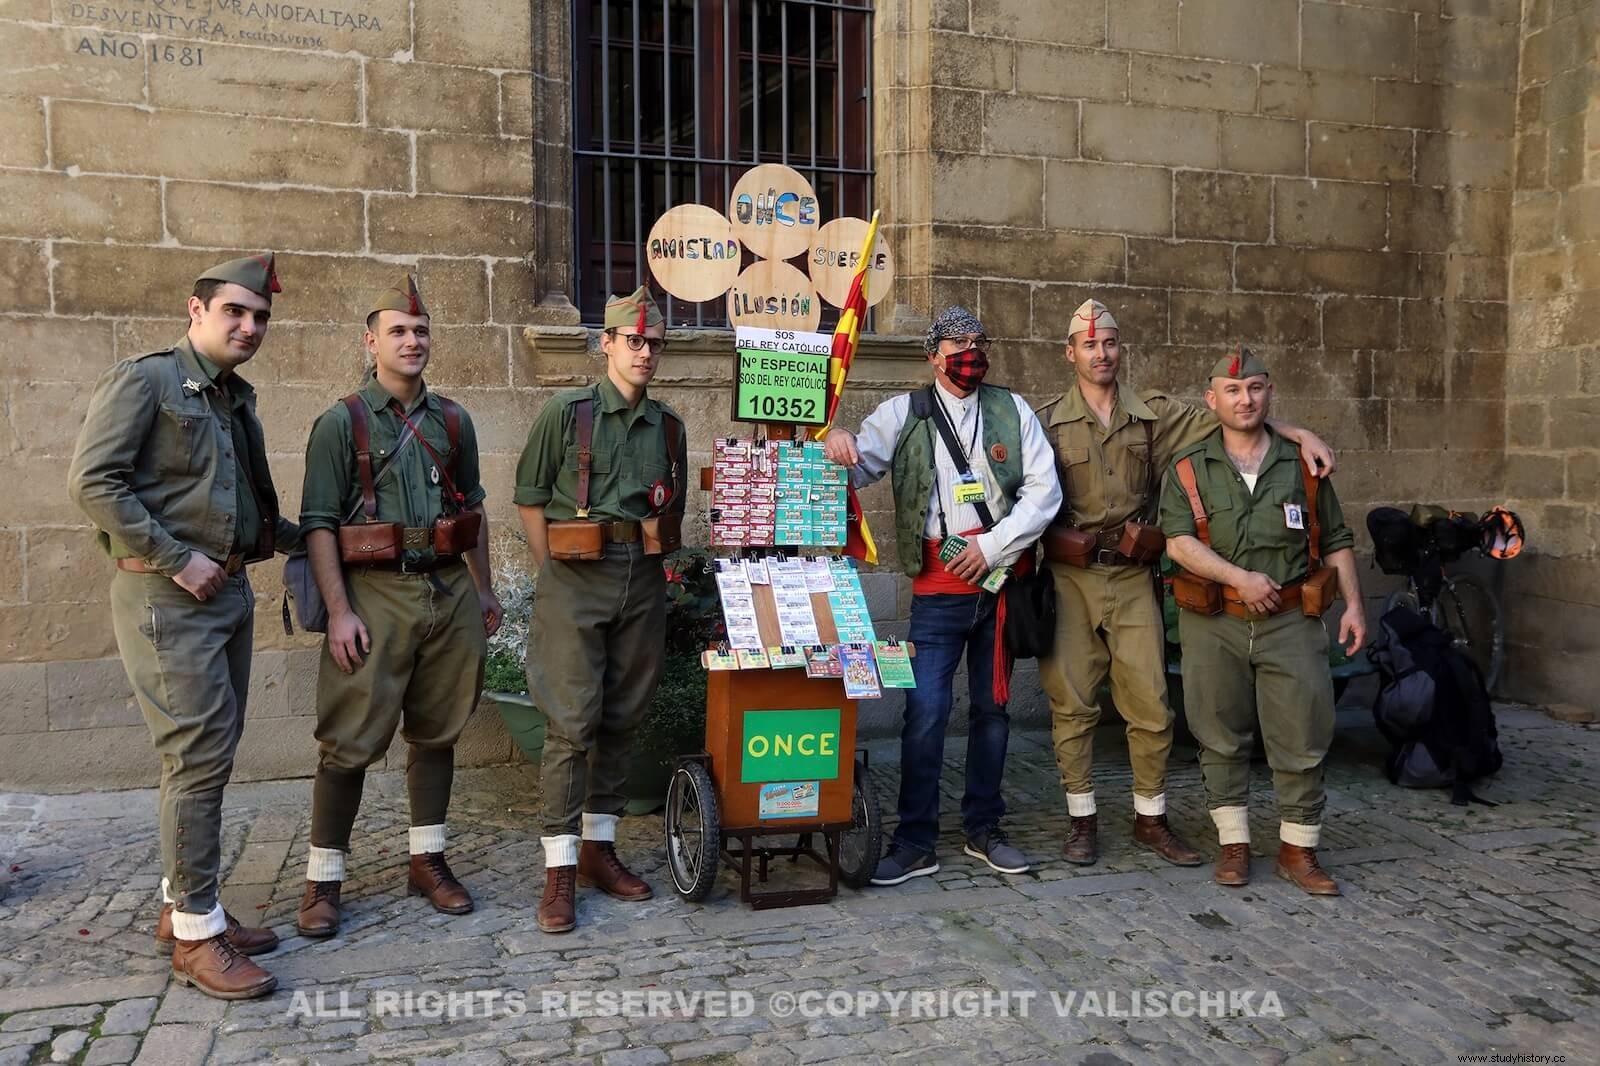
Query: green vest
913	465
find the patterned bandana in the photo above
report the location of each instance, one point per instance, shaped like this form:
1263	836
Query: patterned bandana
954	321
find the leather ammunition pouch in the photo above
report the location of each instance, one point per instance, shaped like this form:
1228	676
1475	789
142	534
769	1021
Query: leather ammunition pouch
1318	590
363	543
576	540
663	534
456	534
1195	593
1141	543
1066	543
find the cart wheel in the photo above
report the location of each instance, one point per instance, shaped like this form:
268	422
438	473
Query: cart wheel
862	843
694	831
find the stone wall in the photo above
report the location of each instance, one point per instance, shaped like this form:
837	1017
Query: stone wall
1330	182
1553	373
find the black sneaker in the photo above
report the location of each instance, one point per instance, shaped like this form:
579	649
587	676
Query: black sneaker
994	848
901	864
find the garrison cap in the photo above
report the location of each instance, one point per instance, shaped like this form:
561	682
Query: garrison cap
1090	317
637	309
254	272
401	296
953	321
1239	364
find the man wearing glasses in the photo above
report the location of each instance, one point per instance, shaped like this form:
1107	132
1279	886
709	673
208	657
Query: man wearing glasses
974	487
601	487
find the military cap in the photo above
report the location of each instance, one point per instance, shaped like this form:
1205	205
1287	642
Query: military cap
637	309
1239	364
1090	317
254	272
402	296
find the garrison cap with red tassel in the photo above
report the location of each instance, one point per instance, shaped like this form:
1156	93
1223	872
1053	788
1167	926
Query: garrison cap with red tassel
1241	363
254	272
637	309
1091	318
402	296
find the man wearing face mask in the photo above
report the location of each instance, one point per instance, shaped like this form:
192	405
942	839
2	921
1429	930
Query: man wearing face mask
392	476
974	486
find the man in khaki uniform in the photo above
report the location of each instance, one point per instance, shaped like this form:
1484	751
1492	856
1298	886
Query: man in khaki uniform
171	467
1111	445
597	639
406	637
1239	511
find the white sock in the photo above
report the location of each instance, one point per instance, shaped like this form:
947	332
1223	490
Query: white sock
1080	804
1150	806
1233	824
427	839
560	850
1301	836
186	926
600	827
166	892
325	864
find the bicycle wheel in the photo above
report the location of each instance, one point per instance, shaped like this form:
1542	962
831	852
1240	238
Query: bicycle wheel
694	831
1468	611
862	843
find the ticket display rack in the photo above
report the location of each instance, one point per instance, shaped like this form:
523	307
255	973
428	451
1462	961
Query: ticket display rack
780	757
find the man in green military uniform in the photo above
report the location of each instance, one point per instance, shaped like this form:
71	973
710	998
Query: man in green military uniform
596	643
406	636
171	467
1238	511
1111	445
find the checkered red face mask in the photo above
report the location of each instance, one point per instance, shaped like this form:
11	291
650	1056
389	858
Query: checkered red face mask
966	369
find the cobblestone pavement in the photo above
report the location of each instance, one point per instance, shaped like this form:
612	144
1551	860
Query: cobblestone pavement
1461	931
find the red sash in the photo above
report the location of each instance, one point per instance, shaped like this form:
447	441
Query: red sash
935	580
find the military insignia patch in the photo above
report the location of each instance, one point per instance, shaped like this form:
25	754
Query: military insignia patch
191	385
433	474
659	494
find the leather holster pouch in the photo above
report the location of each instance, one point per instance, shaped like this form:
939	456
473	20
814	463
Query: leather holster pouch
1198	594
1318	590
662	534
1068	544
1142	543
576	540
457	534
364	543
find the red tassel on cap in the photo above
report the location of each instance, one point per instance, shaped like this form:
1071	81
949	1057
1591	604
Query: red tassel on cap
1233	367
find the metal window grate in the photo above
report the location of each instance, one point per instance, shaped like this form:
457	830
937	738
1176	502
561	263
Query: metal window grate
674	99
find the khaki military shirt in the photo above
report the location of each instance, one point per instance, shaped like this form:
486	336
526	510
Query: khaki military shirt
629	457
1106	470
1251	529
410	484
169	461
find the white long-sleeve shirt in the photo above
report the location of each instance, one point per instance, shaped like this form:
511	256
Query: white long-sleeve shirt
1019	522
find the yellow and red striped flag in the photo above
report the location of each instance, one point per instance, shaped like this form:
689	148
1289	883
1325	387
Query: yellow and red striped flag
858	538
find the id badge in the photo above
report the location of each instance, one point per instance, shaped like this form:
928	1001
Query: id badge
967	489
952	547
996	579
1293	516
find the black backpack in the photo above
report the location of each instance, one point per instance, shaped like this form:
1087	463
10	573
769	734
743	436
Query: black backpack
1396	541
1432	705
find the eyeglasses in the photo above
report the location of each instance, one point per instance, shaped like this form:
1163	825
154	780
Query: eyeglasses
971	340
637	341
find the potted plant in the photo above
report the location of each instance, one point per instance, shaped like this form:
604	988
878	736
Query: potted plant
675	721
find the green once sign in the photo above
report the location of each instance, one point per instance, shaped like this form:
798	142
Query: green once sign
790	746
789	387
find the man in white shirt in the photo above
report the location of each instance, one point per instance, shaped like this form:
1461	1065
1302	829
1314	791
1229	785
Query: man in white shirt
958	517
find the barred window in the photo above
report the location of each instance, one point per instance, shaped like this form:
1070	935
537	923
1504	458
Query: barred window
674	99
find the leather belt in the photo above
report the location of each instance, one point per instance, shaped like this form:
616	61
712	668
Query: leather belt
620	532
1288	600
425	566
1112	557
232	565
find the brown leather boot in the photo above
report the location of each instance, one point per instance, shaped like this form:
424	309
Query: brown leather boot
319	910
598	865
216	968
1233	865
247	940
431	877
1300	867
558	910
1152	831
1083	843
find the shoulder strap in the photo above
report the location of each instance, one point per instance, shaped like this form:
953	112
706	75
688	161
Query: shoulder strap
673	424
957	456
362	438
584	412
922	403
1313	523
1151	479
1202	524
452	432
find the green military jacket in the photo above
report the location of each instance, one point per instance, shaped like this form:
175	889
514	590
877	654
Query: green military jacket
629	457
171	459
1250	529
1106	470
410	485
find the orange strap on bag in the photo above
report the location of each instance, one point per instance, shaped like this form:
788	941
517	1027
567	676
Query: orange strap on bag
1202	524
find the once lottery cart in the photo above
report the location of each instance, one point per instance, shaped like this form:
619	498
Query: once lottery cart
780	759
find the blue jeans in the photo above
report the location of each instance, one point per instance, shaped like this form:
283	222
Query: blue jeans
942	627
